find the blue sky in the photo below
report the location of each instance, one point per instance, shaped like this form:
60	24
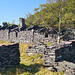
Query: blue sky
13	9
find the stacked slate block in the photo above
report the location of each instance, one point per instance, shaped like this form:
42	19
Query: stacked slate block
39	48
34	34
1	34
31	49
13	37
4	32
38	38
49	56
5	35
56	53
61	57
25	37
67	67
9	56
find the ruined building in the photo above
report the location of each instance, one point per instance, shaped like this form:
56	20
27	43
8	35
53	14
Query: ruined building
53	56
23	34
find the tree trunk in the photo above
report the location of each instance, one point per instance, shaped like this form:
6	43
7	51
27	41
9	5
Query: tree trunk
58	39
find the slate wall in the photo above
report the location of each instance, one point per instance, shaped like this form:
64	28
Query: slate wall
13	37
59	53
9	56
59	56
1	34
5	34
21	36
26	36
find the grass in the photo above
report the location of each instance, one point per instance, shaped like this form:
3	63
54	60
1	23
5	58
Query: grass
48	44
26	67
4	42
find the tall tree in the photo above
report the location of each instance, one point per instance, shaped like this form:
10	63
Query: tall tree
55	14
60	13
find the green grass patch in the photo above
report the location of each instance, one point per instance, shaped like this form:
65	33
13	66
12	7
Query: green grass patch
4	42
48	44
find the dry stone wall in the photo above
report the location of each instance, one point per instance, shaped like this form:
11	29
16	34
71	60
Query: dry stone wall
25	36
9	56
62	57
34	34
1	34
59	56
4	34
59	53
36	49
13	37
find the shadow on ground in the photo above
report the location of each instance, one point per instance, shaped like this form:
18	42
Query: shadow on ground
22	69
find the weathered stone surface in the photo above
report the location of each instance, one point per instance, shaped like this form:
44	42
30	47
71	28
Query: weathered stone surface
9	56
57	57
61	57
39	48
52	55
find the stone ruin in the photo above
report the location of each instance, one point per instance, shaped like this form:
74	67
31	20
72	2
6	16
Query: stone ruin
57	53
53	56
5	24
9	56
58	56
23	34
22	22
34	34
39	49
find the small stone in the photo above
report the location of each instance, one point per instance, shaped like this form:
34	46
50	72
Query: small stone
29	69
58	68
68	72
65	74
50	68
30	54
53	69
40	57
32	60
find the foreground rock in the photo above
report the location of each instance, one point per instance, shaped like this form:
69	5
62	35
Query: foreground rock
57	57
62	57
9	56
